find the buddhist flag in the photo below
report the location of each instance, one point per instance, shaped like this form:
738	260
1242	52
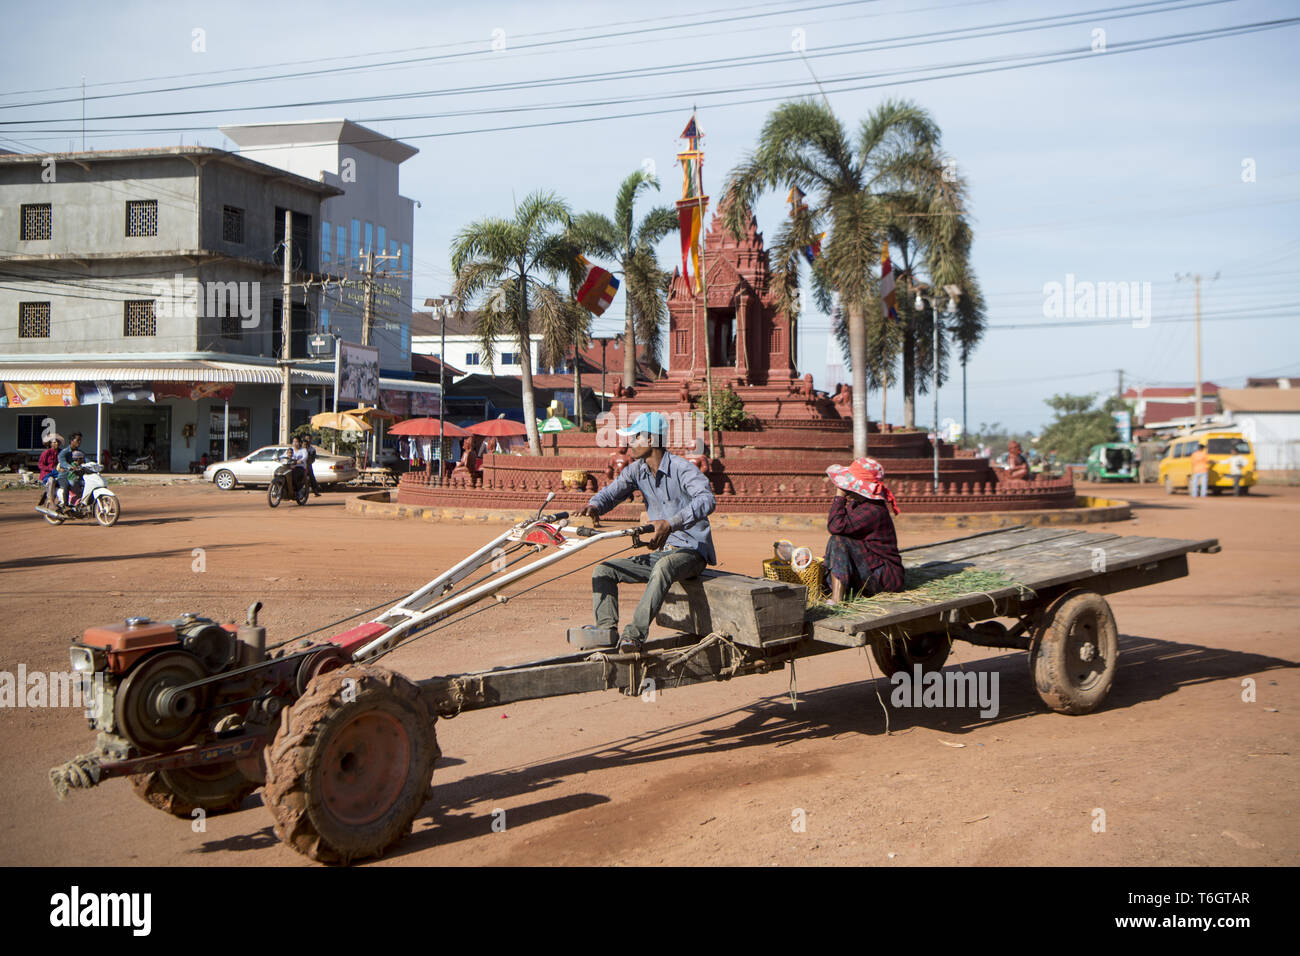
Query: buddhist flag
795	199
691	207
887	297
598	288
814	248
690	215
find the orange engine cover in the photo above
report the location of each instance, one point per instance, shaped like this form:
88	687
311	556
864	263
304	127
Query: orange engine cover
126	644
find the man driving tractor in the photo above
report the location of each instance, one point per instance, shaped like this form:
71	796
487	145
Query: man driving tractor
678	500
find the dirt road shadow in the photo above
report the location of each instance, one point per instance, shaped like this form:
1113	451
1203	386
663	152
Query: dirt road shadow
1148	670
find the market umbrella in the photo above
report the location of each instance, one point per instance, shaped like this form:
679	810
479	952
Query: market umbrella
339	421
371	412
499	428
427	428
552	426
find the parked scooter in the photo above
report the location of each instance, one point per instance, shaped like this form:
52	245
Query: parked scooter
130	462
282	481
94	499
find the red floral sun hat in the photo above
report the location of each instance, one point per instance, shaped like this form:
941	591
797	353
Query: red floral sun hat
864	477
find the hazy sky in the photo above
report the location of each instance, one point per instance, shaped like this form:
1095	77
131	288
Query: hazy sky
1109	167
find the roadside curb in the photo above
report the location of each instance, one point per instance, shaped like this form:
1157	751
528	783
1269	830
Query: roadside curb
1091	510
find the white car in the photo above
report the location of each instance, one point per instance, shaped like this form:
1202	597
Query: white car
256	468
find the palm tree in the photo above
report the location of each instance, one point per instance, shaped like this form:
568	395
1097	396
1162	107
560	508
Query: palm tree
849	183
930	230
632	245
507	269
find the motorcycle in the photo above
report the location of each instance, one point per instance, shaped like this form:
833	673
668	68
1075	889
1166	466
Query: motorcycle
128	462
94	500
280	481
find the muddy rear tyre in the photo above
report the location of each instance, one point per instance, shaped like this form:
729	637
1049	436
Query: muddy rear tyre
217	789
894	654
1074	652
351	764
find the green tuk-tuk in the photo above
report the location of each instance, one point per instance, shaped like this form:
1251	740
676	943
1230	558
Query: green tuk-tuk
1111	461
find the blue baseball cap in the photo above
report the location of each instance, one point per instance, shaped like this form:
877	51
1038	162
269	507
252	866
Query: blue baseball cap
652	423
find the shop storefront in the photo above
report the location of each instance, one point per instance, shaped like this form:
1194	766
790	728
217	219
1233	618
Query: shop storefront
166	417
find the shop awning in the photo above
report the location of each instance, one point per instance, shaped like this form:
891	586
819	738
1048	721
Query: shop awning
237	373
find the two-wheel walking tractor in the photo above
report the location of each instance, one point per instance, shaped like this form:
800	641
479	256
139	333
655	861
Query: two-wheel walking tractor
199	714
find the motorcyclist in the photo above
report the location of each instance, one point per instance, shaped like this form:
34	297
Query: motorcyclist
76	481
48	464
65	467
310	448
299	472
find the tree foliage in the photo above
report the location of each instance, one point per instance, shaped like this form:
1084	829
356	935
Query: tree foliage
888	181
1078	426
632	244
519	275
728	411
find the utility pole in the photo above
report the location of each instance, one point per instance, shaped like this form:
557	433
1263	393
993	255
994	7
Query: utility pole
1120	394
1197	420
368	297
1196	282
286	326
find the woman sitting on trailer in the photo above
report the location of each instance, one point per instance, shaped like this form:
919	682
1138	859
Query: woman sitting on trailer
862	553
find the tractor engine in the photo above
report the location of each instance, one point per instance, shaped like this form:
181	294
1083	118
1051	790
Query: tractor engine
142	673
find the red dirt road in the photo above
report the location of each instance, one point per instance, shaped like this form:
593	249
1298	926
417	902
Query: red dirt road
1185	771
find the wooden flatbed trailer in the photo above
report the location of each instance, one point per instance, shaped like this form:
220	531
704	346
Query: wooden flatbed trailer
731	625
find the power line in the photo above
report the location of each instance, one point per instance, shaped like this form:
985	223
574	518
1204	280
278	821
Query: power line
760	60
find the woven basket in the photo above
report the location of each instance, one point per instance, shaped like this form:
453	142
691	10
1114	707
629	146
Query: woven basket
811	577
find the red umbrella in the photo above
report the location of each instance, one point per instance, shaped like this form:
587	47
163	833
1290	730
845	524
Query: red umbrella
499	428
427	428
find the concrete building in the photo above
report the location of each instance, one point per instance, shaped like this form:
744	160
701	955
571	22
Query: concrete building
465	348
141	301
365	214
1270	418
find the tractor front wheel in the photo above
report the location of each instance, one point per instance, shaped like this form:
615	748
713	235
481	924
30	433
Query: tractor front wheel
351	764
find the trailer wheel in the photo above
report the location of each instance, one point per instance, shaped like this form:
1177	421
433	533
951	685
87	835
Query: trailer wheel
902	654
351	764
180	792
1074	651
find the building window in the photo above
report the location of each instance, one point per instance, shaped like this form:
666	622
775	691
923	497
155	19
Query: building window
324	320
471	358
37	221
406	260
509	358
341	248
325	230
370	237
29	432
33	320
356	240
774	340
304	257
232	224
681	341
381	240
138	317
142	218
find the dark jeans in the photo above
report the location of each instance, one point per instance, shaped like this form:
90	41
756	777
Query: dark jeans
658	570
311	480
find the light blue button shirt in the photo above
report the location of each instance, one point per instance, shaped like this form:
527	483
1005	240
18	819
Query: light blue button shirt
677	493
